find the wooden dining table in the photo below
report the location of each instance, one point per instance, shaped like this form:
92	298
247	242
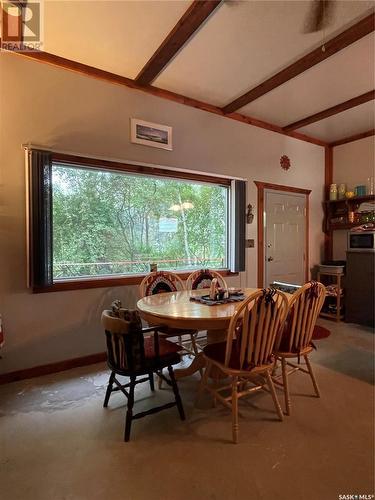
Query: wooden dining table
177	310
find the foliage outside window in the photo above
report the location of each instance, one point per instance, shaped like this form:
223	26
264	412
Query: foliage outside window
111	223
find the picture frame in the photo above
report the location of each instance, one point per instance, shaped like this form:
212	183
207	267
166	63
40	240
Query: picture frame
150	134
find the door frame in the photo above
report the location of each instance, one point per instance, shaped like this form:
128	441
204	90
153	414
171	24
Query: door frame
261	186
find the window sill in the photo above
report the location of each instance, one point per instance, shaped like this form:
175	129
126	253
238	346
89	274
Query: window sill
106	282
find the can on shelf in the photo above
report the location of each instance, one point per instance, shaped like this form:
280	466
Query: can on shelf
333	192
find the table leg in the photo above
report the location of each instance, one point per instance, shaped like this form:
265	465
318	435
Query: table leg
214	336
199	362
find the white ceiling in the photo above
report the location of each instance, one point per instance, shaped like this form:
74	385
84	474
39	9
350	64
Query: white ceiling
117	36
350	122
240	45
243	44
337	79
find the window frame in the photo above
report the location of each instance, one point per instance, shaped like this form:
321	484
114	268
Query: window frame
101	164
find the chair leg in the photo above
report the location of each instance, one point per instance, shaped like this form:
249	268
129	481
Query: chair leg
109	390
176	393
309	367
286	386
151	378
160	381
129	412
203	382
271	387
234	410
274	368
195	349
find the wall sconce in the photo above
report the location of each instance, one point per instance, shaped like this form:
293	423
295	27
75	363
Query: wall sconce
249	214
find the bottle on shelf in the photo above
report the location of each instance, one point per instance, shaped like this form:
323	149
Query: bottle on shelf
370	185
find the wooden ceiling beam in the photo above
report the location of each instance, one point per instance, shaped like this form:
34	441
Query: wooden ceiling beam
352	138
193	18
77	67
334	110
329	48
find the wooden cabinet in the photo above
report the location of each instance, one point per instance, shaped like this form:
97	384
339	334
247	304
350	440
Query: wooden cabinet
337	212
360	288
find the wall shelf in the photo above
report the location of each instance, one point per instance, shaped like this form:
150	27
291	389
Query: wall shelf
339	209
356	200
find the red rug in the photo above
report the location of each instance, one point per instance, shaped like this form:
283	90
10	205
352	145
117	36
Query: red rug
320	333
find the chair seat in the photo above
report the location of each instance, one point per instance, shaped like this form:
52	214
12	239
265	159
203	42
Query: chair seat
216	353
168	352
284	352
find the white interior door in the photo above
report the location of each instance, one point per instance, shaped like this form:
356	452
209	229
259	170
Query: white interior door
284	237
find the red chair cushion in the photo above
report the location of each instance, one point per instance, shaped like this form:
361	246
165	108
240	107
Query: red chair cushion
168	351
284	344
319	332
216	352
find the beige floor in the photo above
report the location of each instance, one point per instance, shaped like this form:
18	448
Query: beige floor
58	443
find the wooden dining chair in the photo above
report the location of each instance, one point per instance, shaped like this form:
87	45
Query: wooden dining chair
162	282
199	280
130	354
203	278
295	341
246	356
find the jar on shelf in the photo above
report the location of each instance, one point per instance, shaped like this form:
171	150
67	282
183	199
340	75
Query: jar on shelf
360	190
341	191
333	192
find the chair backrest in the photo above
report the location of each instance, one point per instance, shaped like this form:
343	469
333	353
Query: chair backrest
304	309
125	348
203	278
254	328
160	282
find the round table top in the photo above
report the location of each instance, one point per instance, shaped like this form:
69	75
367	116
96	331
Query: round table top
176	310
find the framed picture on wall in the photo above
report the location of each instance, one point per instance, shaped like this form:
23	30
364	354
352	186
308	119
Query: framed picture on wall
150	134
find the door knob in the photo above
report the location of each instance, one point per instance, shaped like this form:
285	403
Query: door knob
270	259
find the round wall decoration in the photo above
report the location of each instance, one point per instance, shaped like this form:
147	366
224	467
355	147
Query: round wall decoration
285	162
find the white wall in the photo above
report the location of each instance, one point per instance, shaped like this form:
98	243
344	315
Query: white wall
52	107
353	163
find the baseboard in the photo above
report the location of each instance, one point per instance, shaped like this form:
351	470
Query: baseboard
59	366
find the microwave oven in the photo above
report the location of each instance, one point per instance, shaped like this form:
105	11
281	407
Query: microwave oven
361	241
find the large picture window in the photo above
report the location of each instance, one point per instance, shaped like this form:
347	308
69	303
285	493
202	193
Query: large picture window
111	223
107	220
